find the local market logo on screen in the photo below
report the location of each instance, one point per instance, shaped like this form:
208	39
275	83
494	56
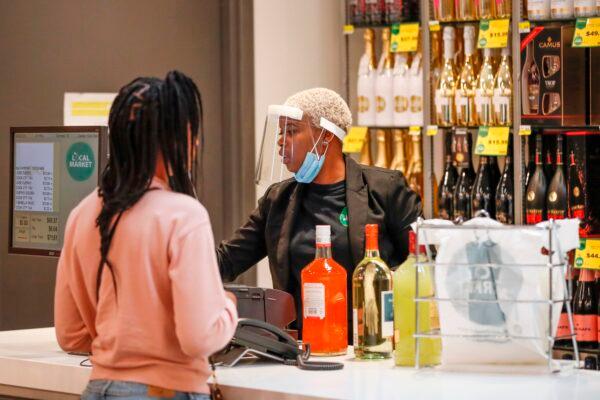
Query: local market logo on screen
80	161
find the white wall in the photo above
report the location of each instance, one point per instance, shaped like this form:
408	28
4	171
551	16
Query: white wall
298	44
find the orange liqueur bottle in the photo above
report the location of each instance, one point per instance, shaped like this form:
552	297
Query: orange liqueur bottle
325	318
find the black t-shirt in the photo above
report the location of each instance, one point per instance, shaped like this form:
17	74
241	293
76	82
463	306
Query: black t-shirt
320	205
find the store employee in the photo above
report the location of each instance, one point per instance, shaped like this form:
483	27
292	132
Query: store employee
328	188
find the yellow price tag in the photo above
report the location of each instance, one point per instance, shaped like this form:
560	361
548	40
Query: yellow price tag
525	130
414	130
524	27
432	130
588	254
355	139
434	26
587	32
405	37
348	29
492	141
493	34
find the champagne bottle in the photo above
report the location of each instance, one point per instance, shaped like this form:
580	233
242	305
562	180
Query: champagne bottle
465	92
324	293
576	195
401	94
356	11
556	202
585	8
485	90
365	152
503	9
444	95
393	11
585	307
495	170
384	85
486	9
443	10
564	328
381	161
505	192
465	10
415	90
561	9
538	9
448	182
367	73
415	169
399	161
483	194
536	190
466	177
436	60
549	164
373	12
404	310
502	102
372	302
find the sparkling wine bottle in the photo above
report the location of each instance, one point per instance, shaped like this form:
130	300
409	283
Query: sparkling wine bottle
401	94
399	161
483	194
384	84
367	73
556	201
576	194
449	178
444	95
372	302
486	9
503	9
465	92
466	176
356	11
365	152
414	175
561	9
485	90
564	328
373	12
505	192
536	190
538	9
415	90
585	308
382	157
465	10
443	10
324	294
585	8
502	101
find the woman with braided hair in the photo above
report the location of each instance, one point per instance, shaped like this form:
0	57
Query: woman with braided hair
138	284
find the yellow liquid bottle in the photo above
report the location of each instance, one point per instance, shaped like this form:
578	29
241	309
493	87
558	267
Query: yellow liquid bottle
465	92
485	90
446	89
430	349
502	101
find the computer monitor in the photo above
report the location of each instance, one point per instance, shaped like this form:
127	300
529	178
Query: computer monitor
52	170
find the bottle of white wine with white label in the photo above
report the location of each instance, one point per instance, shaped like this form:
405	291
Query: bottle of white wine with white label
502	102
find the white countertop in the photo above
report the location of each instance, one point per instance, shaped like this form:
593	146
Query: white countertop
32	359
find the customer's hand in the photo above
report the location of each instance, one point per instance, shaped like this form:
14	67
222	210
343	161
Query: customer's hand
232	297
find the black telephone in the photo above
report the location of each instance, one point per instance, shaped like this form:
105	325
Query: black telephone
261	339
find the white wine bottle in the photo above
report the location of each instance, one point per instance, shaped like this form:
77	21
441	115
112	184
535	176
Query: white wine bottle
485	90
415	90
561	9
465	92
401	94
367	70
384	85
502	101
446	89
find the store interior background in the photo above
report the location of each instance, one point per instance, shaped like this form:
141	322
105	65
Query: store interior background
243	54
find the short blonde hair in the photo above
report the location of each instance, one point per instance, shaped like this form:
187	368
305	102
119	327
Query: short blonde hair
320	103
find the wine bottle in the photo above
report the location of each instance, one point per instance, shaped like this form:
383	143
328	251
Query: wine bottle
384	86
443	10
561	9
465	10
576	194
415	90
530	83
538	9
466	176
564	328
365	152
324	294
536	190
503	9
483	194
502	103
436	59
585	8
495	169
401	94
556	202
486	9
548	163
467	83
356	11
505	192
585	308
415	168
367	73
393	11
485	90
382	159
399	161
444	95
530	160
404	310
373	12
372	302
448	182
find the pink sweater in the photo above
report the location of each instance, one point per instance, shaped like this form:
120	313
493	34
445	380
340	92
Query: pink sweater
170	312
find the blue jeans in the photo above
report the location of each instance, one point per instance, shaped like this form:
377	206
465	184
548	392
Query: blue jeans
119	390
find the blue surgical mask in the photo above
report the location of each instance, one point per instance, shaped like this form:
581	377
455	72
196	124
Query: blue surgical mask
311	166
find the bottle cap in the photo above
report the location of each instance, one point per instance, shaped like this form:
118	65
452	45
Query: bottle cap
371	235
412	244
323	234
587	275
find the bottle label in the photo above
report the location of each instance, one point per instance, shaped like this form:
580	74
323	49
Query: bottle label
586	327
534	216
598	327
556	214
578	212
401	104
387	313
440	100
563	327
314	300
482	101
416	104
355	327
461	101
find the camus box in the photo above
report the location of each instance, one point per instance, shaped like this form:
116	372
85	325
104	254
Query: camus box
582	163
552	88
594	86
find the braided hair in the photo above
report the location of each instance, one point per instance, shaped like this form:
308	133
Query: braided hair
149	117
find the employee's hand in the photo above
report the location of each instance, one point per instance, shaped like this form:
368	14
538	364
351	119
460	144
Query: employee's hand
232	297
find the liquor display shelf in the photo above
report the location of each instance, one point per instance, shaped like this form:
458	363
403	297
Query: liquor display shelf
462	22
386	25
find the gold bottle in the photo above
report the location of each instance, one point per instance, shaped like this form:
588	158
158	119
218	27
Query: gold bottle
382	158
502	100
503	9
443	10
365	87
399	161
486	9
485	90
414	175
465	10
465	92
384	84
446	89
436	62
365	153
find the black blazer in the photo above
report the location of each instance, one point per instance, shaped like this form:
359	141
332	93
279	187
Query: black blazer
373	196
